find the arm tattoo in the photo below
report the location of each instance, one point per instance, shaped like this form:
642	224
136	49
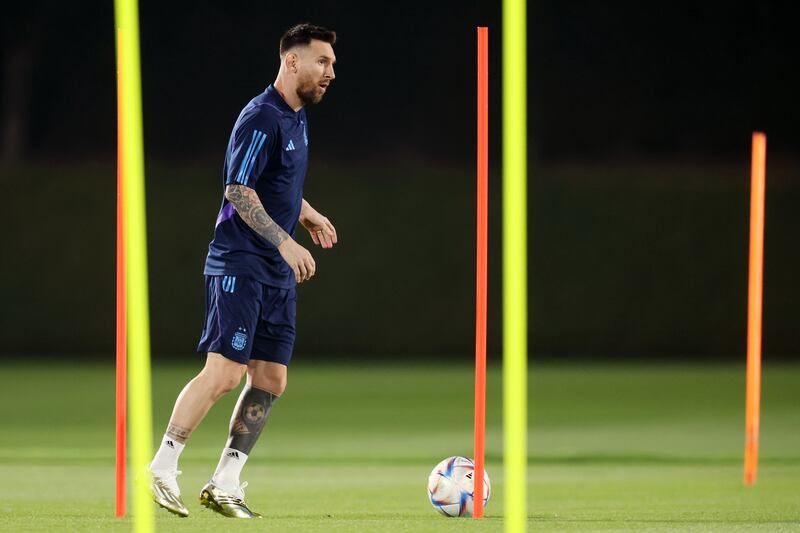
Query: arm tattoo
178	433
249	207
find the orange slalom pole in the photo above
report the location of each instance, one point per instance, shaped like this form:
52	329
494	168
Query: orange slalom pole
122	340
481	268
754	306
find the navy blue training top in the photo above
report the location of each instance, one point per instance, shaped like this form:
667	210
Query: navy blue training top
268	152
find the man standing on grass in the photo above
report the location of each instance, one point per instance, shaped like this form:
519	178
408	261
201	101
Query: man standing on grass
252	269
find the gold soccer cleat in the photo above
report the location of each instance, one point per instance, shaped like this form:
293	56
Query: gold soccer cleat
225	503
167	495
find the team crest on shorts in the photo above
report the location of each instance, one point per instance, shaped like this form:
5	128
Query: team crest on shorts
239	339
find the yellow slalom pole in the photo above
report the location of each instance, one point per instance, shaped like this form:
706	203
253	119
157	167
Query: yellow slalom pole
131	161
515	265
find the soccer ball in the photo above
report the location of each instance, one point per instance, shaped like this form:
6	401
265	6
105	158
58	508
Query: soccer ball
450	486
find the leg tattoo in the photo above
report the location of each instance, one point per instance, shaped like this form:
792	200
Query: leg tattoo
178	433
249	418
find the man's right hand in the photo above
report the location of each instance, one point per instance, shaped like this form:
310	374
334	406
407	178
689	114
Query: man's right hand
298	258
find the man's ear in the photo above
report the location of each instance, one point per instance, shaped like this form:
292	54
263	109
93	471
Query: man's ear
291	62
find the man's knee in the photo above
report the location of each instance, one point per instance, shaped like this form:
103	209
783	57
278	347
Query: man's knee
268	376
228	382
274	384
222	375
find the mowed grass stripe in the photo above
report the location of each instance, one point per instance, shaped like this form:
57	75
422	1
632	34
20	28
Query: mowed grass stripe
102	458
419	410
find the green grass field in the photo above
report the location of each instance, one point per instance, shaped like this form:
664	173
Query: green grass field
613	447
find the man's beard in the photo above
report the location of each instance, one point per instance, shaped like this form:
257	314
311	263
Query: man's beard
308	94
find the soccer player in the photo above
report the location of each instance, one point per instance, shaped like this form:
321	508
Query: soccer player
251	271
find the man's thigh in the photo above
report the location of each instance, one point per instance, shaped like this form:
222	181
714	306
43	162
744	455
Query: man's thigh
233	312
275	334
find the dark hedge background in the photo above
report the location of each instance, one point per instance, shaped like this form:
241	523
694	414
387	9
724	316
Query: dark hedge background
640	122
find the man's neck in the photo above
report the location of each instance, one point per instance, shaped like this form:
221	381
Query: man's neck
289	96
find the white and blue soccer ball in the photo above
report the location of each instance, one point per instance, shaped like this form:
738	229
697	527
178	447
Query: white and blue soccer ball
450	486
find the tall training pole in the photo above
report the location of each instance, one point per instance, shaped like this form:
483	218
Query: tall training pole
754	306
515	265
121	375
138	321
481	268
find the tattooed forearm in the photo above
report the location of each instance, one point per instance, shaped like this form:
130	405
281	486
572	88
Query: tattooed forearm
178	433
249	207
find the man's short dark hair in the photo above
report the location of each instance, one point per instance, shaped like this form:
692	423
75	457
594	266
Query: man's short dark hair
303	34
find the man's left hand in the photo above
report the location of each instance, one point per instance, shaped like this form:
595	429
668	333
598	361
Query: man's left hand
319	227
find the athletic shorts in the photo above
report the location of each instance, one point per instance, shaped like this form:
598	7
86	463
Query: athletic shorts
247	320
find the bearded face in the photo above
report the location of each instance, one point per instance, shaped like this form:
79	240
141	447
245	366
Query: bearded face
314	71
310	90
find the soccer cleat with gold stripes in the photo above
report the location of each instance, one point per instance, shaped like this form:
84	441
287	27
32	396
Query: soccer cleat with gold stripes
226	503
167	495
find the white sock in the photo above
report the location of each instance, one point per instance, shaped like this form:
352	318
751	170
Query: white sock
228	470
166	459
